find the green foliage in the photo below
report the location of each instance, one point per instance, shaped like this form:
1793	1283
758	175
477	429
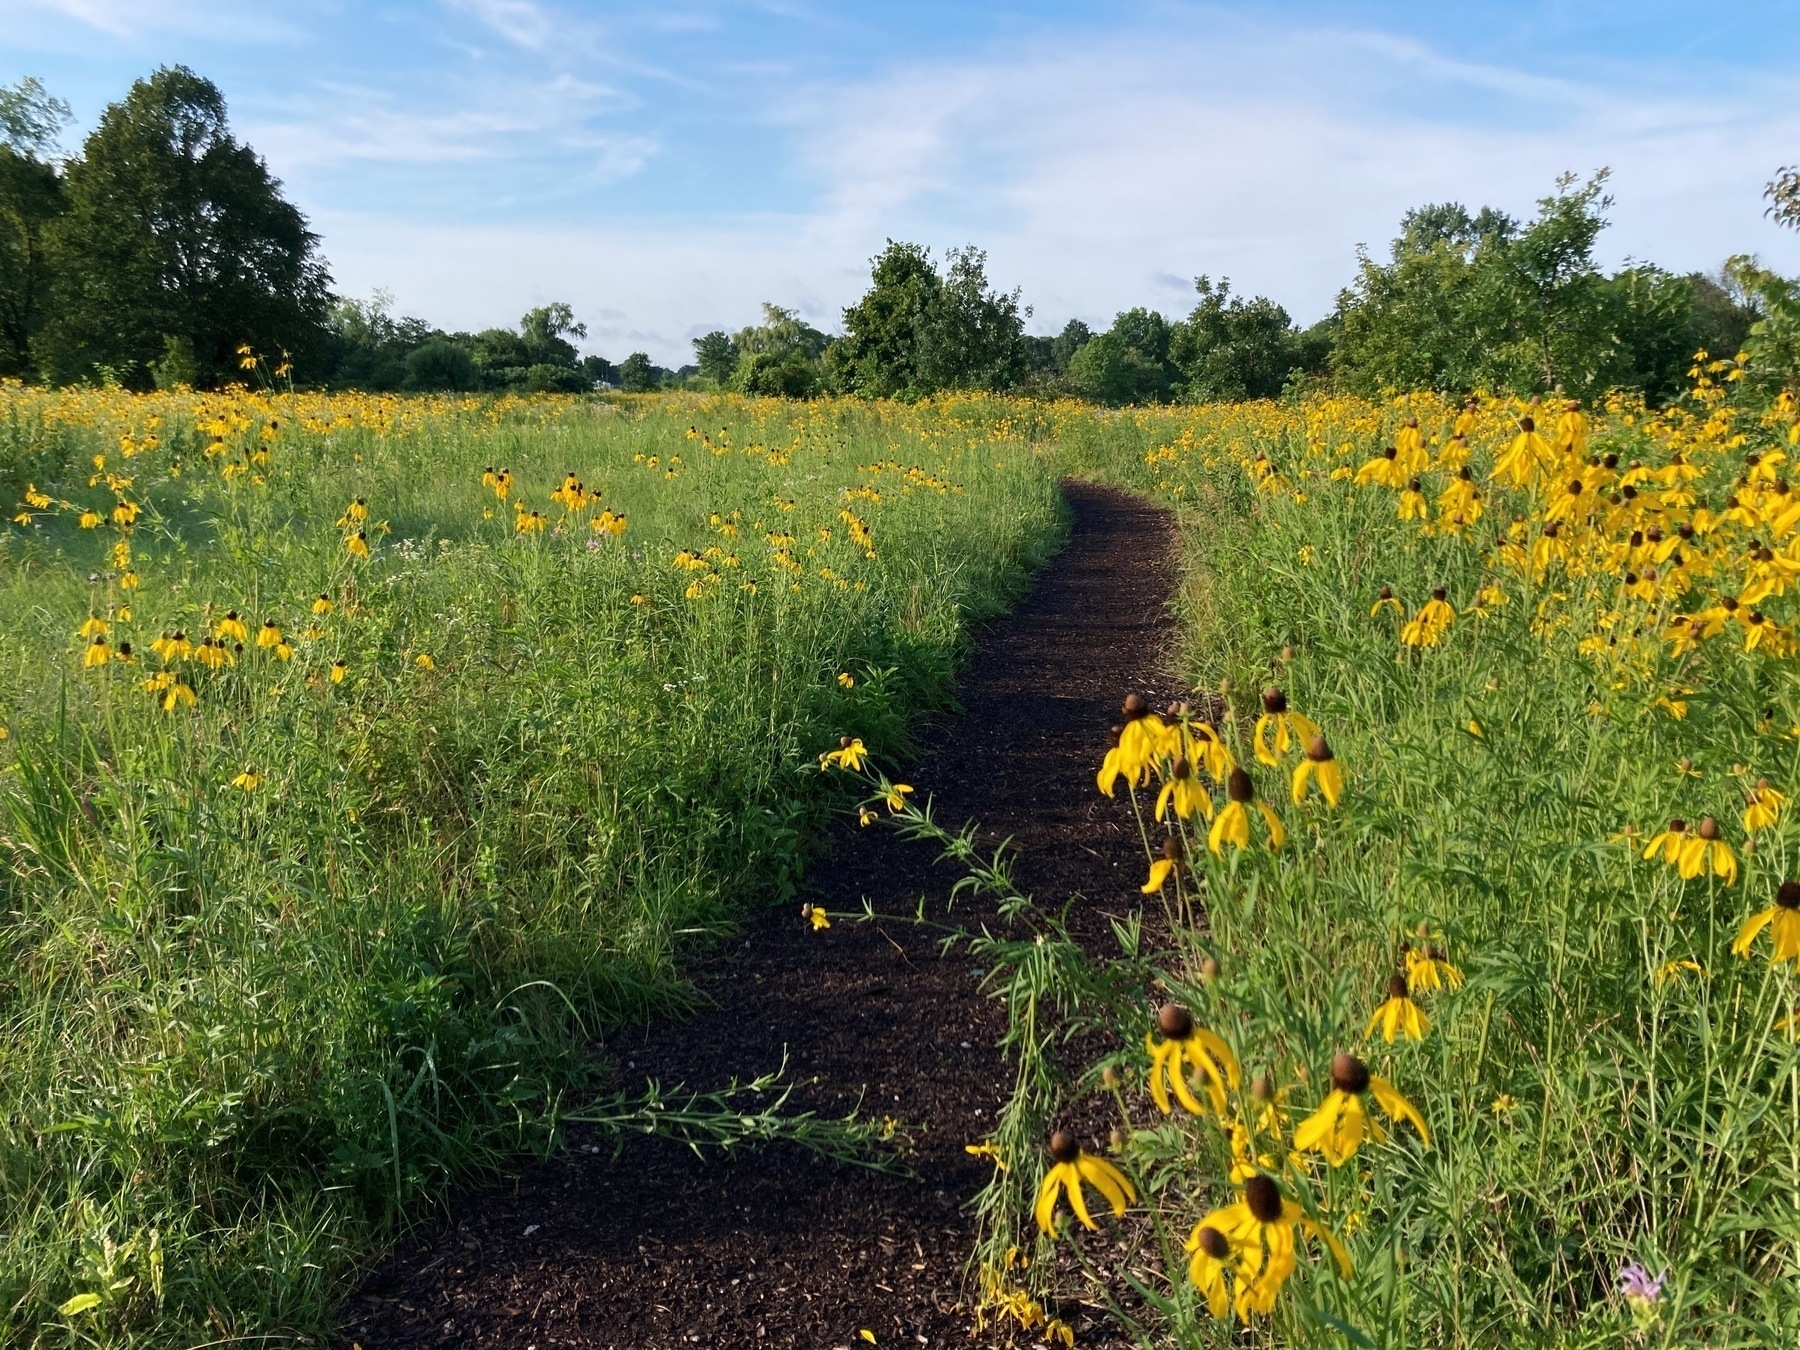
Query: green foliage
1482	302
779	357
916	332
1783	194
175	229
30	119
31	202
717	356
1231	348
440	366
636	374
246	1030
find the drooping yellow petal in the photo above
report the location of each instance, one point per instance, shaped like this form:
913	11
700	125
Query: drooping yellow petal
1397	1107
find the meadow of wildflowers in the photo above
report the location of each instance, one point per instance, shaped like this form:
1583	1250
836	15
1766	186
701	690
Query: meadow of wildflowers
366	758
1466	1013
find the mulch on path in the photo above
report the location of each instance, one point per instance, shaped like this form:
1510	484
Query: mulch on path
776	1248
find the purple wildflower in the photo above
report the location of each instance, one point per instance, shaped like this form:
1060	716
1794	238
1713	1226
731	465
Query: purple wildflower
1639	1287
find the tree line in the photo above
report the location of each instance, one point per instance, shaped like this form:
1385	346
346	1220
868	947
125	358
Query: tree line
163	248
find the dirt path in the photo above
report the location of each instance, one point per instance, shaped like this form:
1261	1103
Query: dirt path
661	1249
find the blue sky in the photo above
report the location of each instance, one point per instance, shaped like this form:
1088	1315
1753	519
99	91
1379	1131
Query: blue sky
666	167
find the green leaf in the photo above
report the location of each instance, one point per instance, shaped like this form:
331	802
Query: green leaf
79	1304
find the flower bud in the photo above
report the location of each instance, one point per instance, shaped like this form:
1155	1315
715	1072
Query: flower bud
1210	969
1287	654
1116	1140
1109	1077
1262	1087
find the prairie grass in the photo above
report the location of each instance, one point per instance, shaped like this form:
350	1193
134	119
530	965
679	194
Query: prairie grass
1612	1084
279	966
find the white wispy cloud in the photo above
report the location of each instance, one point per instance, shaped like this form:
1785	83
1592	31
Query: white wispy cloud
1096	170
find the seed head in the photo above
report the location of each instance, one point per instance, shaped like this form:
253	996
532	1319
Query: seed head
1209	969
1678	826
1211	1241
1171	848
1263	1197
1397	987
1526	424
1174	1021
1709	828
1274	702
1239	788
1287	654
1788	897
1349	1074
1063	1147
1135	707
1109	1077
1262	1088
1318	751
844	742
1387	593
1438	592
1116	1140
1551	530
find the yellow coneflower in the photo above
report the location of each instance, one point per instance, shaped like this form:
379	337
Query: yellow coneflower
1319	766
357	544
846	680
1260	1228
850	754
424	662
1669	843
1232	824
1763	808
1429	968
1398	1015
1184	792
1673	972
1070	1166
897	794
323	604
1200	745
1337	1128
1187	1045
816	916
1707	850
125	656
338	670
1211	1249
97	654
1386	599
178	695
94	627
1783	917
1140	739
1412	502
231	626
1161	869
1428	626
1525	457
1290	728
247	781
269	635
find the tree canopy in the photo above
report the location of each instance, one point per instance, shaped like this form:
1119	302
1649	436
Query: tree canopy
176	234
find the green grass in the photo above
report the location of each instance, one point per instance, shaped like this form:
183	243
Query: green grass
246	1034
1584	1112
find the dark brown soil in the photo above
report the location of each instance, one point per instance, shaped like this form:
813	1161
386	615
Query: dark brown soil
659	1248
